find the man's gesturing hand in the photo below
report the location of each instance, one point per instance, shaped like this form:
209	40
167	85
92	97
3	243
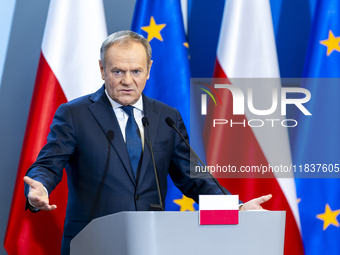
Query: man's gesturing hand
37	195
255	204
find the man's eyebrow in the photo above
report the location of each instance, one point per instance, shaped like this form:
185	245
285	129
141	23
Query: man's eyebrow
116	68
123	69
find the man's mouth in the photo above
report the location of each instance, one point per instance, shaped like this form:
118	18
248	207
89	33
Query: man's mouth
127	90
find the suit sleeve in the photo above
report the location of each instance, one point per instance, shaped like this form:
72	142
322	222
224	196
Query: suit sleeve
61	144
182	168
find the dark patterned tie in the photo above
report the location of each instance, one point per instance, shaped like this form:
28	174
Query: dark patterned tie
133	139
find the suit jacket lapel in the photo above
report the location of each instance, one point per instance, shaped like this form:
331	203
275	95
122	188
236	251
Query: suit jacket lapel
152	113
103	113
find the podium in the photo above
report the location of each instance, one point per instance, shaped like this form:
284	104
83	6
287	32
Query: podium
170	233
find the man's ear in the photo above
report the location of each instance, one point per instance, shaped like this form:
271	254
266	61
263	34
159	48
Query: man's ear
149	69
101	69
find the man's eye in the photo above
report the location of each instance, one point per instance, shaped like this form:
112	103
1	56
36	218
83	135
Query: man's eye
117	73
136	72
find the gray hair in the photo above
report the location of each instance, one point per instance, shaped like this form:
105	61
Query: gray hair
123	37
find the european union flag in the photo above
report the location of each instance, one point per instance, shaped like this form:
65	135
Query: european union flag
161	23
318	137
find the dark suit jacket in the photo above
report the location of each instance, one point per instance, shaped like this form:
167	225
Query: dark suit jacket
86	140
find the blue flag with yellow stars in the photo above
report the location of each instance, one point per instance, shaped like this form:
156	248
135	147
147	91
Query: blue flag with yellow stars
317	144
161	23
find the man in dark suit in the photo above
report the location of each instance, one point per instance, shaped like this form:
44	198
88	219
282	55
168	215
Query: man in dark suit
89	137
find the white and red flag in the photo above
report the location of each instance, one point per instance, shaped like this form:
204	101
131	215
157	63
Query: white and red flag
68	68
247	50
218	210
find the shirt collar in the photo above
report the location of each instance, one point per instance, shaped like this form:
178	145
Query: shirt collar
138	105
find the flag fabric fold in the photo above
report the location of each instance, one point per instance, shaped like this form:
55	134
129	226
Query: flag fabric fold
247	50
68	68
317	137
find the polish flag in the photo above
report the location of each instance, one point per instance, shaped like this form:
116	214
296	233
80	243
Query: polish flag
246	49
68	68
218	210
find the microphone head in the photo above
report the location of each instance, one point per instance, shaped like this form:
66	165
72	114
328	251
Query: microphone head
145	121
170	122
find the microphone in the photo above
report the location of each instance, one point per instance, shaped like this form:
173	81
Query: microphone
171	123
153	207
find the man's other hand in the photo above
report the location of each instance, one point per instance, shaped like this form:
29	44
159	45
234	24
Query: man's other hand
37	195
255	204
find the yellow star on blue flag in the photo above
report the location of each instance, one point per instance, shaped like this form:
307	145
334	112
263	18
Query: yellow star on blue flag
153	30
332	43
185	203
329	217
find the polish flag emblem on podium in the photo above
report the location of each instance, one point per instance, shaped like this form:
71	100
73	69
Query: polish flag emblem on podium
218	209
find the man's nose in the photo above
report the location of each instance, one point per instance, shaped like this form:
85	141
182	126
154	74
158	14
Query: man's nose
127	79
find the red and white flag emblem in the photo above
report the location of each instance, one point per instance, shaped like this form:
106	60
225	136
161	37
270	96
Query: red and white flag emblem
218	209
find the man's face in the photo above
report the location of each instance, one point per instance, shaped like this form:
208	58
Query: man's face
125	72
